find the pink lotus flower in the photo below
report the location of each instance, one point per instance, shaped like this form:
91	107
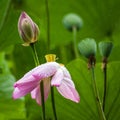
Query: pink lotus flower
52	74
27	29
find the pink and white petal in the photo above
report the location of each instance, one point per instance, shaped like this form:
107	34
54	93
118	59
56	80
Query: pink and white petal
69	82
35	94
46	70
57	78
19	93
31	71
27	83
66	72
21	18
46	88
68	92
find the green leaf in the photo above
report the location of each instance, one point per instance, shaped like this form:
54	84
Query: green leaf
15	109
86	109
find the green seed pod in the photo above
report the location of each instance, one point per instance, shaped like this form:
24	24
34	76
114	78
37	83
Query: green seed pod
87	47
72	20
105	48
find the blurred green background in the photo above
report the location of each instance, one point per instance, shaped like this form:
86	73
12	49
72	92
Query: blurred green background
101	21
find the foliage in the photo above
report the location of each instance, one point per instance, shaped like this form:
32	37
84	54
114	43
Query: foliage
101	20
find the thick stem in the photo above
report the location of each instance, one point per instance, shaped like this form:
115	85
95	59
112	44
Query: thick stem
53	103
52	58
98	101
48	49
105	85
35	56
74	41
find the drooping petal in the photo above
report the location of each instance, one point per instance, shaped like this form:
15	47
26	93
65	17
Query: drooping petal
36	93
57	78
69	92
46	88
17	93
66	72
68	82
27	83
46	70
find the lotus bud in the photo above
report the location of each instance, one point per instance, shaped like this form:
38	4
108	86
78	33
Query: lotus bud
27	29
72	20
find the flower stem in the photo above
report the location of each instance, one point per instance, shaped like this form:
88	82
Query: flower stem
74	29
53	103
52	58
48	49
105	85
35	56
98	101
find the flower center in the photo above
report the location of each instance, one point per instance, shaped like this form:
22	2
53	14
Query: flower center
50	57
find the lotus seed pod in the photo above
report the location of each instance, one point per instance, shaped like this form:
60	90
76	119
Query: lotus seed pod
72	20
105	48
87	47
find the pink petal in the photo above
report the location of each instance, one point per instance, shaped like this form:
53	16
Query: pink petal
46	87
24	86
69	92
46	70
66	72
68	82
17	93
21	18
27	83
36	94
57	78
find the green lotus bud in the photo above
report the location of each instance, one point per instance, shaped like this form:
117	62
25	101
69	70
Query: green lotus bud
27	29
105	48
72	20
88	47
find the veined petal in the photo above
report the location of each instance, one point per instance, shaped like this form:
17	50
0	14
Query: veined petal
46	88
69	92
17	93
57	78
46	70
36	93
66	72
69	82
26	83
21	18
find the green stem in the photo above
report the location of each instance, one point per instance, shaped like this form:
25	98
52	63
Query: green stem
35	56
98	101
48	25
105	86
48	42
74	41
53	103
